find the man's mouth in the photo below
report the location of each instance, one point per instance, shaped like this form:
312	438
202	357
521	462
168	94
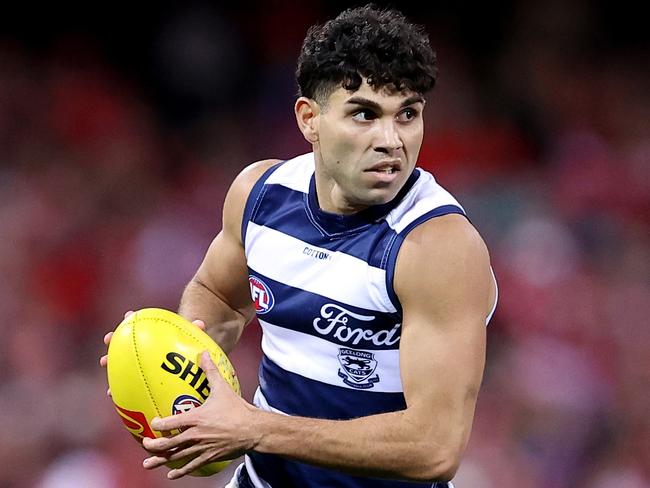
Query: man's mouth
385	168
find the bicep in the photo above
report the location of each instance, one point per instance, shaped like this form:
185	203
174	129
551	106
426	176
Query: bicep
224	270
443	280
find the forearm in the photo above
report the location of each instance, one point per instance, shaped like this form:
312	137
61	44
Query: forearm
388	445
223	323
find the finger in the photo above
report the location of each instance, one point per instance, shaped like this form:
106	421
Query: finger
174	422
157	461
107	338
154	462
211	370
199	323
103	361
195	463
160	444
108	393
128	314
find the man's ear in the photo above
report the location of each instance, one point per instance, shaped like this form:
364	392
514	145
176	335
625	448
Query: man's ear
307	115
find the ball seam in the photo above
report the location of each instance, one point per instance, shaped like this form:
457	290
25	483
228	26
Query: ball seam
142	375
184	331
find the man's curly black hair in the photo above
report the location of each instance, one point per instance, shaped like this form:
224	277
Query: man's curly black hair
381	46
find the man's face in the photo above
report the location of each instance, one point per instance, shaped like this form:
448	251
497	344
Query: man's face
368	144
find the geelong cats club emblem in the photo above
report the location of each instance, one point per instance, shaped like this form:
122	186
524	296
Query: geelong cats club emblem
358	367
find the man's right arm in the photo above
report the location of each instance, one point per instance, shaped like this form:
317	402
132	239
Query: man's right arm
218	294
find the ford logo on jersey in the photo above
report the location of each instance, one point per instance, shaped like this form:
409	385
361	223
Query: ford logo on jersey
261	295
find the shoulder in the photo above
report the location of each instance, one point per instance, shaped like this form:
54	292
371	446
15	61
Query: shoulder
447	235
443	257
240	189
246	179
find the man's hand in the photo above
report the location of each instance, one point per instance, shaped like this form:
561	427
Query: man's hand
103	361
220	429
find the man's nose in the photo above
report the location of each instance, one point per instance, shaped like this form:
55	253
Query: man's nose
388	137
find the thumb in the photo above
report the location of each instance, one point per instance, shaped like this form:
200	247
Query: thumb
211	370
199	323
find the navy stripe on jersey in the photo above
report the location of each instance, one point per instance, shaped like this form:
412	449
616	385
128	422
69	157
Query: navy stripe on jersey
392	256
254	199
320	400
282	473
287	300
295	221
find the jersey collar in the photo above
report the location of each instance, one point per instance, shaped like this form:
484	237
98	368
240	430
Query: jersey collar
333	224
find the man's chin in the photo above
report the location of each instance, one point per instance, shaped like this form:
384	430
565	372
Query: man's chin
380	196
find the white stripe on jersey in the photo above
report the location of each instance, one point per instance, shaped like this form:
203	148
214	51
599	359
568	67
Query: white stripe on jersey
253	476
425	196
348	279
317	359
295	173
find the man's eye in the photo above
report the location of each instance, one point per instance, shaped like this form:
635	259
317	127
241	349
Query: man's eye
407	114
364	115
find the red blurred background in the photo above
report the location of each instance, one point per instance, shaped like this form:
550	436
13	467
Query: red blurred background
121	127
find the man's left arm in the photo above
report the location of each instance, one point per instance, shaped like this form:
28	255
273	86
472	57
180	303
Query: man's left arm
445	286
447	290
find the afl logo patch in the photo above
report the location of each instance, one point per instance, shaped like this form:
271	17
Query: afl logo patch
261	295
184	403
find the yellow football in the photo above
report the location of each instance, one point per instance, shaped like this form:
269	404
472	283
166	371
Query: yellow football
153	371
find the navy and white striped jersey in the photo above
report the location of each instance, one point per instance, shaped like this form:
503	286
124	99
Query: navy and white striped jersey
322	285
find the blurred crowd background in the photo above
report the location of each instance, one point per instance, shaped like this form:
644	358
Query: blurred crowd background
121	127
